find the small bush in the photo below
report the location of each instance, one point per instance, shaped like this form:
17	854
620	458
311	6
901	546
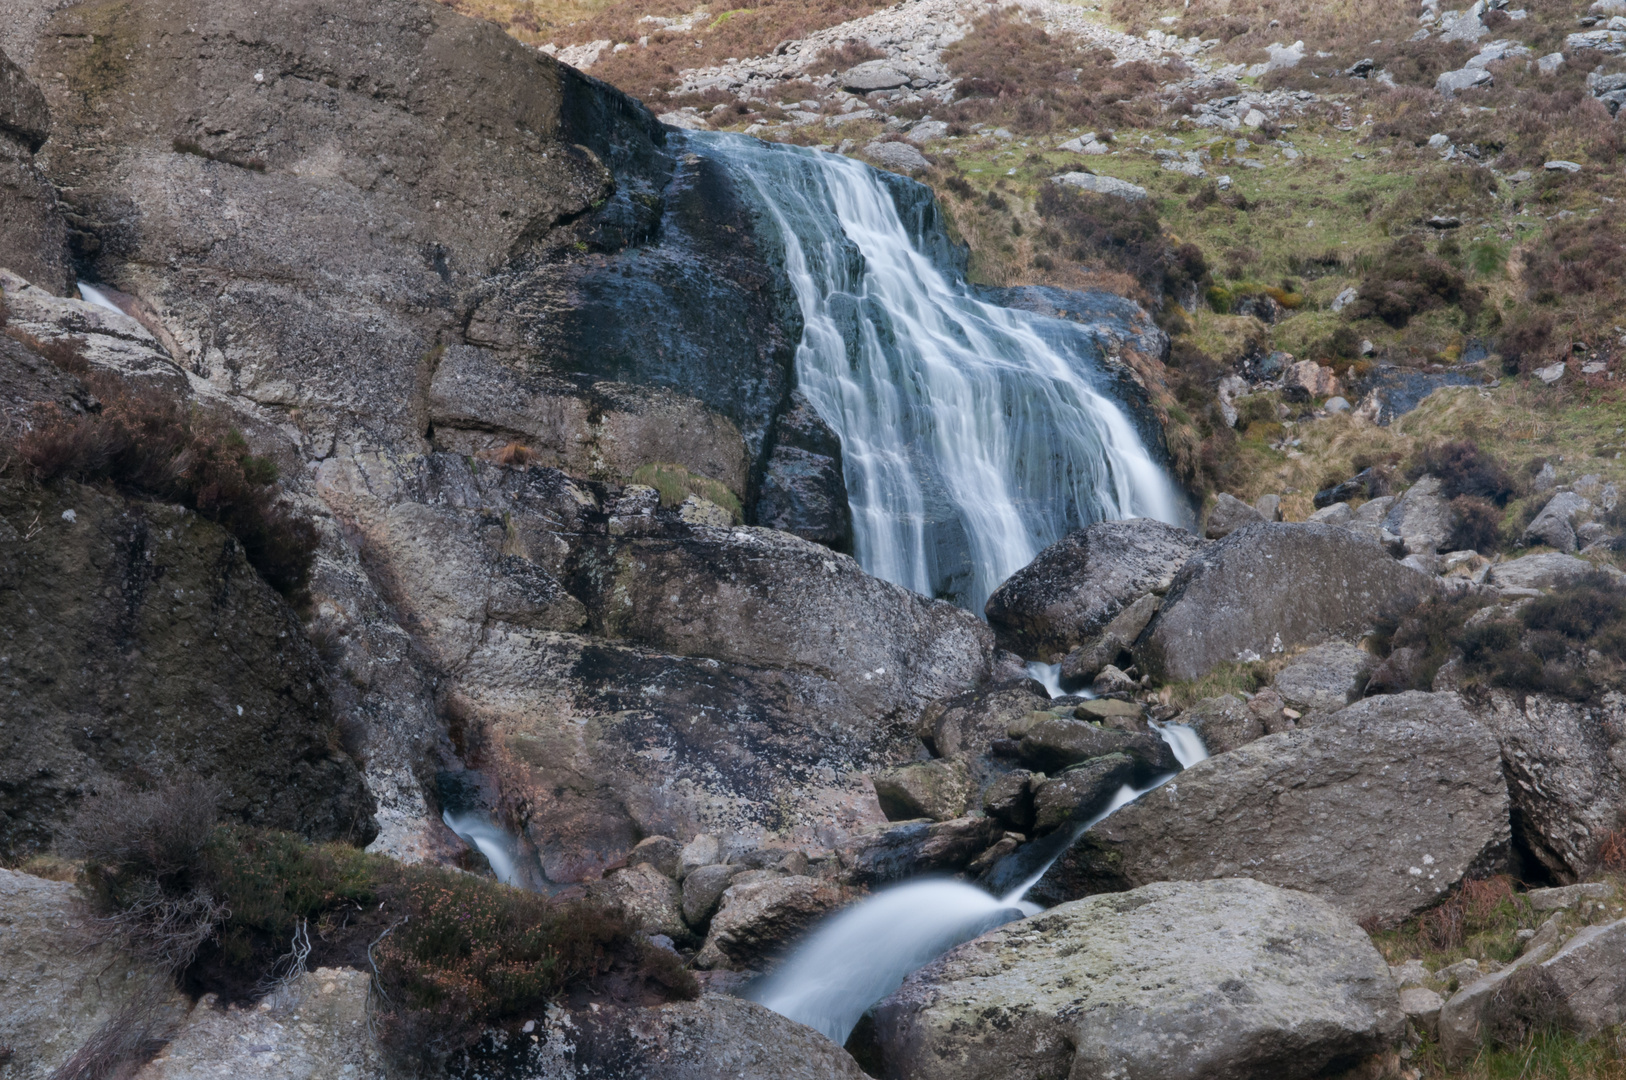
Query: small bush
1483	907
1479	525
834	58
1609	857
676	483
1464	469
1431	632
1409	280
145	443
1113	234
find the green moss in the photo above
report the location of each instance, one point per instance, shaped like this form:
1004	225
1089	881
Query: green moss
676	483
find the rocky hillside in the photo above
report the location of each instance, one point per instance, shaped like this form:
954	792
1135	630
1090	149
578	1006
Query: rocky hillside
438	631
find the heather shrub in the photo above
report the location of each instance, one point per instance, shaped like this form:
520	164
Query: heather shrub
1117	235
1464	470
1409	280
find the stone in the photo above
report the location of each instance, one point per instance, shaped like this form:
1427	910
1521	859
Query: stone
1078	792
1056	743
1564	897
1560	166
1344	299
927	131
1544	570
703	850
1337	513
215	674
1422	1007
965	726
1422	518
1009	799
652	902
661	852
1131	985
1076	586
33	233
1326	677
1284	56
1586	979
702	890
1379	808
873	75
717	1035
1450	82
1227	515
1550	63
685	121
1555	524
1411	973
908	849
1112	680
1101	185
897	156
757	921
1565	764
1268	588
929	789
1307	379
1269	507
1111	713
1255	118
307	1029
1223	723
54	978
1086	661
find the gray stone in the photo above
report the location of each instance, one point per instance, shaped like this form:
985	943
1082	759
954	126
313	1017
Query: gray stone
909	849
1422	1007
1411	973
1084	662
661	852
1564	897
1077	793
1422	518
757	920
873	75
1227	515
965	726
927	131
1379	808
1224	979
651	900
1545	570
1325	678
1561	166
1450	82
1586	978
703	850
1550	63
1113	680
702	889
1269	507
1268	588
1338	513
1555	525
1101	185
1566	771
1056	743
1076	586
927	789
897	156
1223	723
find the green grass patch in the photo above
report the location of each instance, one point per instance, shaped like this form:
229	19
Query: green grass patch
676	483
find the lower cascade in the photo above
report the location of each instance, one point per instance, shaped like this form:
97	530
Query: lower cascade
865	953
972	435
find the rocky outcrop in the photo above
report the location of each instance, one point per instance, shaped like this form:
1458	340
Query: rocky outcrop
1222	979
803	490
33	234
1269	588
1378	808
1566	772
140	643
63	984
1076	585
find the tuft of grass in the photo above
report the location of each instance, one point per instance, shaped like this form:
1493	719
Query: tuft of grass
1227	678
676	483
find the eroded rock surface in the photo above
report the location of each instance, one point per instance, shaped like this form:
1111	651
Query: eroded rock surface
1218	979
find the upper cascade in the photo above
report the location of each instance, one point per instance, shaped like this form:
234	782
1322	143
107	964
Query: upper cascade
973	435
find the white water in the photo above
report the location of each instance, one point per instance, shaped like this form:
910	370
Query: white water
972	435
865	952
93	295
496	845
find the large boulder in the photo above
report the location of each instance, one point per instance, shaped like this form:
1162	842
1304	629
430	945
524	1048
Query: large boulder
1325	678
33	234
140	643
1221	979
1422	518
1269	588
1566	772
63	983
1380	809
758	920
1074	587
966	725
1555	525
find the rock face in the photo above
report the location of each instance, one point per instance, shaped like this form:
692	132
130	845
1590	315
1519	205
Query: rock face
60	984
803	491
33	235
1270	587
1379	809
1219	979
140	643
1076	585
1566	772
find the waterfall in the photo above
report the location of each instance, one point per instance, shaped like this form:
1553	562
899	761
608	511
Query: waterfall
865	952
972	435
496	845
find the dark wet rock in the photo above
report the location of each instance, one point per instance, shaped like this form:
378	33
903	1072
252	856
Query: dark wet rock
1379	809
1075	587
1225	979
757	920
1367	484
1009	799
1566	772
1080	791
1115	640
1393	392
909	849
803	491
1271	587
1055	744
33	234
140	643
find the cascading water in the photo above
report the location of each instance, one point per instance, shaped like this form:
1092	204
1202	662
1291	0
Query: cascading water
486	838
865	953
972	435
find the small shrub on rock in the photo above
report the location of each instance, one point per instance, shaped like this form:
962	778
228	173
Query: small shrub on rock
1464	469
